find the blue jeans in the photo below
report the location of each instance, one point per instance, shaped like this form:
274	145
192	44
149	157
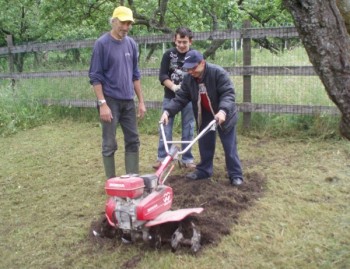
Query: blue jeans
187	129
124	113
207	150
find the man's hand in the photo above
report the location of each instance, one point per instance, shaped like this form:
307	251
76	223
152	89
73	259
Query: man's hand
142	110
164	118
175	87
105	113
220	117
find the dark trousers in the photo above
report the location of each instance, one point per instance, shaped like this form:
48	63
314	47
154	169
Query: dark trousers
124	114
207	149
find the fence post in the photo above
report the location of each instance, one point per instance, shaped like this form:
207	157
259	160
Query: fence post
9	41
247	79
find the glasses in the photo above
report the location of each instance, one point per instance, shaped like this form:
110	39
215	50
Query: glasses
192	69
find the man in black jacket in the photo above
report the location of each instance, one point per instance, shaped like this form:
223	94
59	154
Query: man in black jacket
212	94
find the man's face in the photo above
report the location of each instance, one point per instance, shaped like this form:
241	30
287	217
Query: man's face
182	43
197	70
121	28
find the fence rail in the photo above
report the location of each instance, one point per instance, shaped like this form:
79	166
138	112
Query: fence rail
242	107
152	72
154	39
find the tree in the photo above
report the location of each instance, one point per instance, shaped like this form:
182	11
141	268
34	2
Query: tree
344	8
21	20
199	15
266	14
324	34
38	20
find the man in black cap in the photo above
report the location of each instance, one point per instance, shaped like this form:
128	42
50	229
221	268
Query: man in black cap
212	94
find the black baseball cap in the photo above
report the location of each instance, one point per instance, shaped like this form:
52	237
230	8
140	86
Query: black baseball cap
192	58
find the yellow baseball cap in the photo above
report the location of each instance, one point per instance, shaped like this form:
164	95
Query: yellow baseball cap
123	14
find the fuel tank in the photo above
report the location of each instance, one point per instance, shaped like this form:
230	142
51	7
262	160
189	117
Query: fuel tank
125	186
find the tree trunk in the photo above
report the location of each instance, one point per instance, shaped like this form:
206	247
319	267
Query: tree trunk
324	35
344	8
19	62
153	47
210	52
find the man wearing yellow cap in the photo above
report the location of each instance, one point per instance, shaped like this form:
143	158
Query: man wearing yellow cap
115	78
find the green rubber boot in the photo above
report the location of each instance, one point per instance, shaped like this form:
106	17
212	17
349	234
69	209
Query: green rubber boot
132	162
109	165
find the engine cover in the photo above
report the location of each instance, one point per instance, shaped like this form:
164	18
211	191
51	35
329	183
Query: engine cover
154	204
125	186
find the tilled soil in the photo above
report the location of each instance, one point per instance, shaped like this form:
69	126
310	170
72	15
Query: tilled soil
222	205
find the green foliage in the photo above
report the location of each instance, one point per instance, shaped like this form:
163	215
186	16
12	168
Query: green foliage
32	20
20	112
199	14
301	126
149	124
22	19
266	13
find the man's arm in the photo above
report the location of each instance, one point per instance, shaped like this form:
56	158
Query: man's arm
138	92
164	68
164	73
105	112
171	85
98	92
226	93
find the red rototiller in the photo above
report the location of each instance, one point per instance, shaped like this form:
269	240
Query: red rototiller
139	204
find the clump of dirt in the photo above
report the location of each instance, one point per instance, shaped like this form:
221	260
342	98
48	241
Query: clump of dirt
222	202
222	205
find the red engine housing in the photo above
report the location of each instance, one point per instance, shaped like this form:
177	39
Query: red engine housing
156	203
125	186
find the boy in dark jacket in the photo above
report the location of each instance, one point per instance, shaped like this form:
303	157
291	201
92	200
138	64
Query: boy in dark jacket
171	75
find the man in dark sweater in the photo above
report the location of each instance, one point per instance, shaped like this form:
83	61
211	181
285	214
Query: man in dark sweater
170	76
211	92
115	78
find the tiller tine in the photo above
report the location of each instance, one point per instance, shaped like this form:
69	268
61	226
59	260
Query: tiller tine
178	239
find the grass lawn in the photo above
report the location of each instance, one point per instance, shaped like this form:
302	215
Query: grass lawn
52	189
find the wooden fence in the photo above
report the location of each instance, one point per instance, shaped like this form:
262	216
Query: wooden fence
246	34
